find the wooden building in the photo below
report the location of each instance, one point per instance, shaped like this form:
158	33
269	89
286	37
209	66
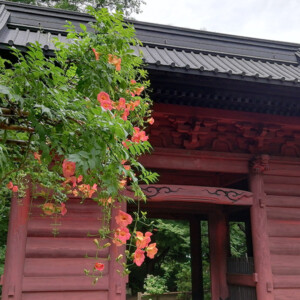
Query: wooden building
227	147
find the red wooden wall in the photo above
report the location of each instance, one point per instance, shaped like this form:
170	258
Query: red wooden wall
41	266
53	268
283	219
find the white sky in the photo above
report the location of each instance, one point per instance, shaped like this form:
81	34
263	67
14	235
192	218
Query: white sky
267	19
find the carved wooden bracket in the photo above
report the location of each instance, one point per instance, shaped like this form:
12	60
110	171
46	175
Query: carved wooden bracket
259	164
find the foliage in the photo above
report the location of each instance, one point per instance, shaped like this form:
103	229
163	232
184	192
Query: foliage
173	261
74	123
155	284
238	245
184	280
126	6
174	251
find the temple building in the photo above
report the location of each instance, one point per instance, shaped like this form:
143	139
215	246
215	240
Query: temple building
226	144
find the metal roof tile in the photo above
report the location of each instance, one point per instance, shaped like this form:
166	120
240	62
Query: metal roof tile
183	58
256	67
194	62
164	58
205	62
295	70
190	62
236	68
219	62
285	70
198	58
269	70
273	69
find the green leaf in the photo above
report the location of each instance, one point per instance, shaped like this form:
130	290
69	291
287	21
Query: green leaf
83	27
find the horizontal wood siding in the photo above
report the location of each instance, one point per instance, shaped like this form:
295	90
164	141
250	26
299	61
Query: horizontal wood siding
287	294
54	264
83	295
283	212
77	247
63	283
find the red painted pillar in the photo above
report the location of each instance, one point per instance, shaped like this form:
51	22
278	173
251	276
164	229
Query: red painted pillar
218	244
16	246
260	237
196	259
117	281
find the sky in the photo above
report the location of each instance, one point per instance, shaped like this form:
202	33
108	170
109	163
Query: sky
268	19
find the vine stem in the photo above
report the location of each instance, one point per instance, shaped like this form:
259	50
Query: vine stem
135	224
22	163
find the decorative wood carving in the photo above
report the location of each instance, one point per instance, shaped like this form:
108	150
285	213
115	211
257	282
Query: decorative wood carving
175	193
152	191
260	164
232	195
224	135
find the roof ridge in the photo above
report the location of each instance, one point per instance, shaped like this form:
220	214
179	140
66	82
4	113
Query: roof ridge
223	54
215	35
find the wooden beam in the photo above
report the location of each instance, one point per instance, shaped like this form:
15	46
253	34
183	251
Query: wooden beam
16	246
196	194
196	259
218	241
231	116
208	161
241	279
181	159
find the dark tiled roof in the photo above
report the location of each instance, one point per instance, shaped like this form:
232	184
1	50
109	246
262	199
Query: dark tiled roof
221	64
165	47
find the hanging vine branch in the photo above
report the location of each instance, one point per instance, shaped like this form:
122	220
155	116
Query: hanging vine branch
82	112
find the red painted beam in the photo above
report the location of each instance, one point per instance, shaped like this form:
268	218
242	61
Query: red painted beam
197	194
196	259
241	279
179	159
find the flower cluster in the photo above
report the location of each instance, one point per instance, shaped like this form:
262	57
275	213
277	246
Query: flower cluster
37	156
139	135
12	187
136	90
97	54
114	60
50	208
143	245
69	169
120	105
122	233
